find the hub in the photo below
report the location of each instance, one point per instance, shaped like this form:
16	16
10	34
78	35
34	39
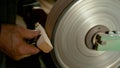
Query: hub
92	36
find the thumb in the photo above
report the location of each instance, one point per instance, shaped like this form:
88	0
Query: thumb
27	33
31	34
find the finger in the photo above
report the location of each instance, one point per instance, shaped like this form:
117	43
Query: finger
20	57
29	34
32	50
24	50
28	49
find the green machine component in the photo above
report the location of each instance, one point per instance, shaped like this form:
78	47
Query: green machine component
109	42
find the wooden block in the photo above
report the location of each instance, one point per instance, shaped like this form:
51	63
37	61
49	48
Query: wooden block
43	42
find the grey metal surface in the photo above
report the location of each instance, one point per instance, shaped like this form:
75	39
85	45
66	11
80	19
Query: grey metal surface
72	27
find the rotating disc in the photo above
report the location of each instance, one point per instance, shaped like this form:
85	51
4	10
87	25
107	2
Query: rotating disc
74	24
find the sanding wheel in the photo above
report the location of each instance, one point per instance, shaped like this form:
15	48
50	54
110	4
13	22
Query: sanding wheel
72	26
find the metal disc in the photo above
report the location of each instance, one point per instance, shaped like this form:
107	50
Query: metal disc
72	27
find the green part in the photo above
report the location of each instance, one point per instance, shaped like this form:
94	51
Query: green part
112	43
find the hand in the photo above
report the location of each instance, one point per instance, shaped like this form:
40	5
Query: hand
12	41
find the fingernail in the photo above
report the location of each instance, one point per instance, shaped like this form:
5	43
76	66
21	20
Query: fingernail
37	31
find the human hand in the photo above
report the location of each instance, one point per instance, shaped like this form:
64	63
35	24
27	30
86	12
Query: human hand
13	44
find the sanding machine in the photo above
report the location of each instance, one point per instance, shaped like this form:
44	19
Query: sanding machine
85	33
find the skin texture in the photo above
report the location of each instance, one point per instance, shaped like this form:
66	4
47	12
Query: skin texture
13	44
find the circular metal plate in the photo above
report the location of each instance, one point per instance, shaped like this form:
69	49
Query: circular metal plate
69	26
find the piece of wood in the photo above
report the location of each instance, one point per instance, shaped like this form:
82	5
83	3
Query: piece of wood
43	42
